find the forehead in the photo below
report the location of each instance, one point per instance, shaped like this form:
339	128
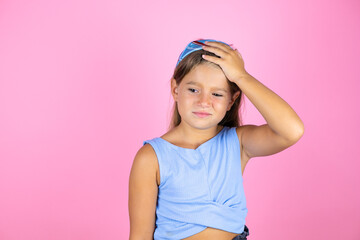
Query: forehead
206	76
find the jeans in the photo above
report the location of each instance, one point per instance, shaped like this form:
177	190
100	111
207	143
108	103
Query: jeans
243	235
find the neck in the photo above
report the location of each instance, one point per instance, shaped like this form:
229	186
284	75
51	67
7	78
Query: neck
196	135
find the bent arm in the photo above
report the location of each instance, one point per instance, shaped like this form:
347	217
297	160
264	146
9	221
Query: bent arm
280	117
283	129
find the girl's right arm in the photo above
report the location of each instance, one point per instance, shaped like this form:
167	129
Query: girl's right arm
143	191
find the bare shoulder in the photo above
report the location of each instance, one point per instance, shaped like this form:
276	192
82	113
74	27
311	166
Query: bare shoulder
146	151
146	160
240	130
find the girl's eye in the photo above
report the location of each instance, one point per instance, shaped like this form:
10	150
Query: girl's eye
191	89
217	95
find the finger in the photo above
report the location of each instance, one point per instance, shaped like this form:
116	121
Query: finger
212	59
216	50
219	45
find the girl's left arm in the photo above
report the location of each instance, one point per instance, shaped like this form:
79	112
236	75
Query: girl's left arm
284	127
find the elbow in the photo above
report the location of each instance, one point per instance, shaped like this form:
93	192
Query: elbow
300	131
297	134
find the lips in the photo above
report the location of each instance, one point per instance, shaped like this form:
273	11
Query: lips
202	114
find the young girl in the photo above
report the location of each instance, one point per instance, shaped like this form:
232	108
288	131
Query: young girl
187	184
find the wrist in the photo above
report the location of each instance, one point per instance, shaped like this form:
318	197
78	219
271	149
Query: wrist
245	75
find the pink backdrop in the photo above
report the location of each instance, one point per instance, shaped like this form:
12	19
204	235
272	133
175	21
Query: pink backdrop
83	83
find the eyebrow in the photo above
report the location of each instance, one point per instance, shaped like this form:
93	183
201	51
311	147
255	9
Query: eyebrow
195	83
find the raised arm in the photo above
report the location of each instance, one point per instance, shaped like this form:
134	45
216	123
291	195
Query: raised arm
143	190
283	129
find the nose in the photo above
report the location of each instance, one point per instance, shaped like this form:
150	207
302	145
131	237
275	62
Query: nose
204	100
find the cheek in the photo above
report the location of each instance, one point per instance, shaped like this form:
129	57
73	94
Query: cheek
222	105
221	102
185	101
187	97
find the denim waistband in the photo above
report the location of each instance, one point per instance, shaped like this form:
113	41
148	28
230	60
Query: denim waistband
243	235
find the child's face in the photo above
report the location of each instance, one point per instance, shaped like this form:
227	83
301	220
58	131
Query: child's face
204	89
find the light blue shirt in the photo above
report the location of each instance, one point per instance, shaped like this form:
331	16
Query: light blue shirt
200	187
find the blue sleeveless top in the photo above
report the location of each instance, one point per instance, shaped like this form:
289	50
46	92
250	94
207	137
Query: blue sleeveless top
200	187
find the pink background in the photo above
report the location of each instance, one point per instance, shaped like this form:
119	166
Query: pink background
83	83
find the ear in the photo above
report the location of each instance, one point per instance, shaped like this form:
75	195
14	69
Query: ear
174	89
234	97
